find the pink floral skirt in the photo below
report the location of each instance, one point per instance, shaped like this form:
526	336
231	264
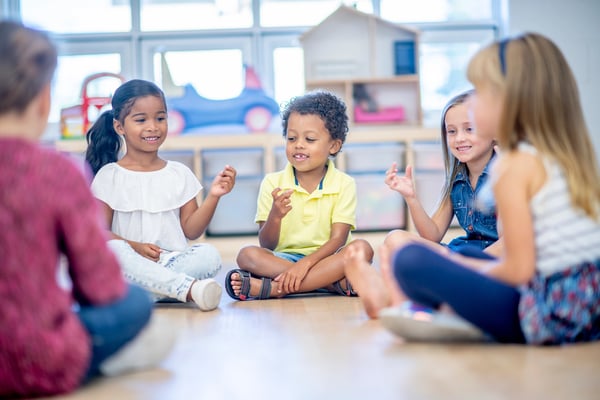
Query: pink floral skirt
563	307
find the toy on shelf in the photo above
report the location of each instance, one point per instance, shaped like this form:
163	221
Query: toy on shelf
96	94
367	109
188	110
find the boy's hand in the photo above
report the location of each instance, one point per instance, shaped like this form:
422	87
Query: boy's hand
290	280
223	182
282	202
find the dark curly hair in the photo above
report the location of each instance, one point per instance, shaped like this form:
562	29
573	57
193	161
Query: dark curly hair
330	108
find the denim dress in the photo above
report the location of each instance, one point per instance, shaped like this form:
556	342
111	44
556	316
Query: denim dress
479	225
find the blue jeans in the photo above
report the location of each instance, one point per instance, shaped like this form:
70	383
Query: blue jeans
112	326
173	275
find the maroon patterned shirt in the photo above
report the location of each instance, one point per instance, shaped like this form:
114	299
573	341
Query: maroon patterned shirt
47	209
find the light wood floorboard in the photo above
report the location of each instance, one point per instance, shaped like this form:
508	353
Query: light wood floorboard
324	347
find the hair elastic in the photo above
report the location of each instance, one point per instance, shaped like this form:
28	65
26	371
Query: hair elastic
502	54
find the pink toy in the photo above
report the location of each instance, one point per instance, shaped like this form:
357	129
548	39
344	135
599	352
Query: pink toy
383	115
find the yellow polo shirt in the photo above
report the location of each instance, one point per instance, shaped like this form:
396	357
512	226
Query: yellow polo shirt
308	224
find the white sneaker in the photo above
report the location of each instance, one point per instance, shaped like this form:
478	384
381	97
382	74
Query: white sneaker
417	323
146	350
206	293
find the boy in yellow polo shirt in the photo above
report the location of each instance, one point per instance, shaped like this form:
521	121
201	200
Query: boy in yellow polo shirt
305	212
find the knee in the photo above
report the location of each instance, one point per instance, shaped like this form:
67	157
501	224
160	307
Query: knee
247	256
123	251
205	261
409	260
137	305
397	239
362	246
211	255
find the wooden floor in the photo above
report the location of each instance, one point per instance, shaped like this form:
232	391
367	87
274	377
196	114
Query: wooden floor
324	347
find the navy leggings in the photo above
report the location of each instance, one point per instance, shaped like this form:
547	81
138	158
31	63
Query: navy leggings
431	279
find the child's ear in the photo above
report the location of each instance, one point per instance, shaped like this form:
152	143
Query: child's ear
118	127
336	146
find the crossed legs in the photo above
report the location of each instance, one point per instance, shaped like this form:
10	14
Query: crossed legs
263	263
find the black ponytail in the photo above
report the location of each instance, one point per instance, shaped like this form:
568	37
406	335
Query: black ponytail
104	143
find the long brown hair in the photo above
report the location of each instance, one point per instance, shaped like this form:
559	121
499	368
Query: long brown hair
28	59
541	106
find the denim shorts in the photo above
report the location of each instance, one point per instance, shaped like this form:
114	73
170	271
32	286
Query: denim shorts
293	257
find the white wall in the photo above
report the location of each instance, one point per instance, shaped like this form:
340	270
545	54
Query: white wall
574	25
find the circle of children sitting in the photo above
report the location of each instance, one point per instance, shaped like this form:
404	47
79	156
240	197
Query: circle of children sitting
521	180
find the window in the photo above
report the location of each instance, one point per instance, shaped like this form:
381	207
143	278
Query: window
177	15
207	42
76	16
280	13
443	64
67	86
406	11
215	74
288	73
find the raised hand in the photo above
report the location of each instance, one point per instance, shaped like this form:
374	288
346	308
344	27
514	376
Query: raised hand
401	184
282	202
223	182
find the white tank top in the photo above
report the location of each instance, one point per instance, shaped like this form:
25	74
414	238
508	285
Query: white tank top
564	236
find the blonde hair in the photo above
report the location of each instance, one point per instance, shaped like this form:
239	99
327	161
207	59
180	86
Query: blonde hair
541	105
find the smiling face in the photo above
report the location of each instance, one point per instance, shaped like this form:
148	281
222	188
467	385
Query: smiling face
308	143
462	141
145	127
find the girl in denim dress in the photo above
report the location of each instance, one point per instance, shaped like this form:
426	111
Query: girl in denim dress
467	158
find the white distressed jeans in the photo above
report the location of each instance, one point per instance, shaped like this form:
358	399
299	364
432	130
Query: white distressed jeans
173	275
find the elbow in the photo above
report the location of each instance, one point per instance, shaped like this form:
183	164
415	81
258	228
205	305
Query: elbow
522	274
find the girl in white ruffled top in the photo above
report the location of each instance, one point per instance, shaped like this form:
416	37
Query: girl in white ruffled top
150	203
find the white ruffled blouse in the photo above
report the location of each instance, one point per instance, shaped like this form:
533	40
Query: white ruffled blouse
146	204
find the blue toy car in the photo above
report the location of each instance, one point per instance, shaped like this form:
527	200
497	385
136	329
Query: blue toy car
252	108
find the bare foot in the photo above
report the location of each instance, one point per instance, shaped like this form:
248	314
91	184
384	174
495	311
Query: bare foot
255	286
397	297
366	281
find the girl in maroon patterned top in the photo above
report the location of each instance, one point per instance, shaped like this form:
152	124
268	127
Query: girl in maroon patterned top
52	337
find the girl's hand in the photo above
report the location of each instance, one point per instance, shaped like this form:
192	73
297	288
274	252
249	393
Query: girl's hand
282	202
223	182
401	184
148	250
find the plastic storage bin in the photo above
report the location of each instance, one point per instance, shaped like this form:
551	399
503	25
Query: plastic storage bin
247	162
428	156
429	185
236	210
378	157
183	156
378	208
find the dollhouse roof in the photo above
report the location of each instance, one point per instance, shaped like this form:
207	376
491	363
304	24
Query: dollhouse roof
343	13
